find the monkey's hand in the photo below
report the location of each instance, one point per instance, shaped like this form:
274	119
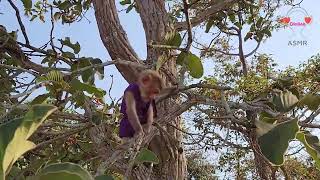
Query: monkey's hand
139	133
146	128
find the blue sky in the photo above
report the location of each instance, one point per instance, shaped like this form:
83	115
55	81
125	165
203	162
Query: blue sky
86	33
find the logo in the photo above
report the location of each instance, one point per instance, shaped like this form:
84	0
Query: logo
297	20
307	19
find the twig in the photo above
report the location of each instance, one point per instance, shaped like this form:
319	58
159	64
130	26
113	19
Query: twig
66	60
31	90
133	156
118	61
161	46
176	89
51	32
253	51
71	132
20	21
19	68
189	27
111	88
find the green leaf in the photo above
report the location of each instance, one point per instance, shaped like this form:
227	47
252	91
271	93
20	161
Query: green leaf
57	16
104	177
312	145
267	32
145	155
27	4
39	99
64	171
161	60
238	24
259	22
124	2
76	85
194	65
130	7
88	74
181	58
284	101
249	35
175	40
267	118
15	174
69	55
312	101
274	143
209	25
33	17
14	135
99	70
232	18
76	46
65	5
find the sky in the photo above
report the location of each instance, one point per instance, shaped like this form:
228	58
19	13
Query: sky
86	33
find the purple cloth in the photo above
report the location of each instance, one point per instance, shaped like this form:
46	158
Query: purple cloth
126	130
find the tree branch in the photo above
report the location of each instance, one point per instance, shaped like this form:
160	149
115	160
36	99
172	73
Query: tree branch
253	51
23	29
186	12
201	17
114	37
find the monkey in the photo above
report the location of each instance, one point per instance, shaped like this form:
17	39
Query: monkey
139	110
138	105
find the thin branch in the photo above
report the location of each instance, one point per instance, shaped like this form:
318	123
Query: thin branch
71	132
19	68
23	29
308	125
111	85
31	90
312	116
66	60
118	61
174	90
51	32
186	12
161	46
253	51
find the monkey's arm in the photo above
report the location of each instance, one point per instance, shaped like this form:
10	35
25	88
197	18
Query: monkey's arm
148	125
132	113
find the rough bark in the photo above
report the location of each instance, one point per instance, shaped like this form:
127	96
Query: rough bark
156	24
262	166
114	37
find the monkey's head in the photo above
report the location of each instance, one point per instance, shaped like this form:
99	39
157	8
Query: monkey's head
151	83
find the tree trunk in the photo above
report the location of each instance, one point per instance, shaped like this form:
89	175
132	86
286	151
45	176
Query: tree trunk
262	165
156	25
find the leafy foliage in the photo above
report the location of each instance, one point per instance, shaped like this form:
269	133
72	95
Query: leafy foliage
312	145
192	63
146	155
275	142
63	171
15	133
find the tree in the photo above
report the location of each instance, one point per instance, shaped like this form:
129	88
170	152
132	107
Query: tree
250	103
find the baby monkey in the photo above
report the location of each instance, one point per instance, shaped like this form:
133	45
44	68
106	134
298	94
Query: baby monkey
138	105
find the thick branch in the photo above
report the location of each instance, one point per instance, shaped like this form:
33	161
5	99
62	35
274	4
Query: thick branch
155	23
114	37
201	17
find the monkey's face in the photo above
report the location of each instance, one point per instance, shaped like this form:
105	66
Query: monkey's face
151	89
